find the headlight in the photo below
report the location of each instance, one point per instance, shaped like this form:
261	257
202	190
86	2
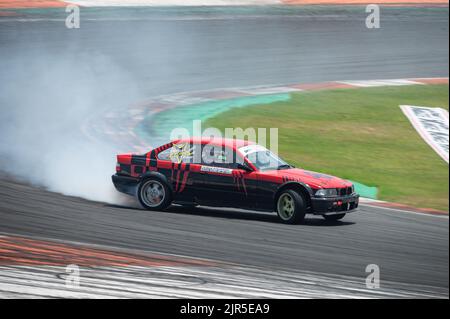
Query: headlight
326	192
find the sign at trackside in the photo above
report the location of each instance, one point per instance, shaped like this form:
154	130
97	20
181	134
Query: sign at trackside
432	125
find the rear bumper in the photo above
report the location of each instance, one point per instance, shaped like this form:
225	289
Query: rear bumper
125	184
335	205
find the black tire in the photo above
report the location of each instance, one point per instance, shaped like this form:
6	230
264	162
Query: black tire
150	198
333	218
295	215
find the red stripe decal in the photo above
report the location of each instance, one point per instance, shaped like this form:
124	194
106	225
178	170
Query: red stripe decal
183	183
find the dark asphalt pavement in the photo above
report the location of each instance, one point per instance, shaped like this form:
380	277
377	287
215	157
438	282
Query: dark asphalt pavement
409	248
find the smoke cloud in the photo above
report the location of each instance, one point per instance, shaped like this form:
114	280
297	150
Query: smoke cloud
44	104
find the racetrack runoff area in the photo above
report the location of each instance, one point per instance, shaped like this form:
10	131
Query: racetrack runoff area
361	135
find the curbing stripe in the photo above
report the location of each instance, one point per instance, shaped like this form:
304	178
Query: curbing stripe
376	83
437	214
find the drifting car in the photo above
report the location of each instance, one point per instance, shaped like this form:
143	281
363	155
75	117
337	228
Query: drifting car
231	173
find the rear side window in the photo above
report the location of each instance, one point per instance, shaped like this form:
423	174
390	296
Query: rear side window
219	156
178	153
206	154
164	155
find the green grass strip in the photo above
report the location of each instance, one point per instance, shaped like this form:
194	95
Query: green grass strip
160	126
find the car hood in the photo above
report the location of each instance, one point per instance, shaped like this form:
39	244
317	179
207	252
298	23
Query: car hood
313	179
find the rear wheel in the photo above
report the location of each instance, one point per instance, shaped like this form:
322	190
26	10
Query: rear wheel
291	207
334	217
154	194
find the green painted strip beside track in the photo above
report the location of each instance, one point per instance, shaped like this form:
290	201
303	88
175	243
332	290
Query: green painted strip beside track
160	125
365	191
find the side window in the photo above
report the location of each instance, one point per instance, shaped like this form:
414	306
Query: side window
179	153
188	153
201	154
164	155
219	156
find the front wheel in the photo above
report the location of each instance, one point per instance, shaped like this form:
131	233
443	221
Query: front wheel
154	194
291	207
334	217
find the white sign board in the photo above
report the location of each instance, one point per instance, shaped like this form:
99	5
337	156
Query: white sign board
432	125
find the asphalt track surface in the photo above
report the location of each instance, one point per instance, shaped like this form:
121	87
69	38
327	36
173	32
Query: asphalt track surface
213	50
170	50
409	248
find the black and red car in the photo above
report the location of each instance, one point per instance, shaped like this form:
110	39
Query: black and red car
231	173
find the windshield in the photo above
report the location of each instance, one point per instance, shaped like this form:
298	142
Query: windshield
262	158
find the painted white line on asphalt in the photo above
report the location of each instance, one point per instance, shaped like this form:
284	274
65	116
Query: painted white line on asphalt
405	211
198	282
376	83
438	78
270	90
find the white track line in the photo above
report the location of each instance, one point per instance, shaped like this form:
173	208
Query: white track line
377	83
405	211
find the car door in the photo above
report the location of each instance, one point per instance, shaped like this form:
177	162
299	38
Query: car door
223	183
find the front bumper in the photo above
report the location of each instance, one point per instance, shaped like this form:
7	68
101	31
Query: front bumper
125	184
334	205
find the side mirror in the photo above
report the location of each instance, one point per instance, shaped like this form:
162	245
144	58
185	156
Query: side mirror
245	167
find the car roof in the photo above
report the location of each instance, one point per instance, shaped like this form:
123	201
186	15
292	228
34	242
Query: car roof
228	142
